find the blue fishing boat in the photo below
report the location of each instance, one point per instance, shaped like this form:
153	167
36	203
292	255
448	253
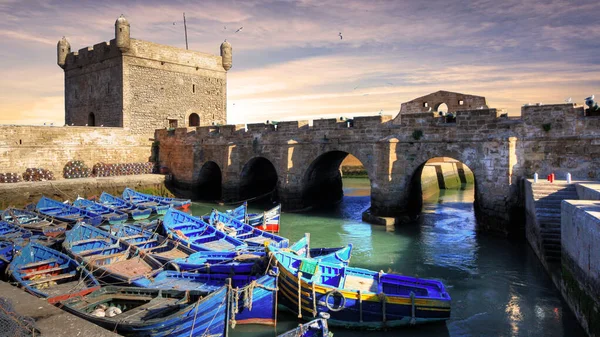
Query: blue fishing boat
197	234
112	216
111	259
330	255
182	204
254	262
66	213
6	254
315	328
12	232
37	223
135	212
162	249
266	221
50	274
253	298
154	312
150	226
244	232
355	297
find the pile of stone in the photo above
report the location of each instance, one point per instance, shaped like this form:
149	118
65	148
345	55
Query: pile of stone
10	178
76	169
111	170
38	174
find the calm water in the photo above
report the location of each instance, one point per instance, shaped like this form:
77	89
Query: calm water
498	288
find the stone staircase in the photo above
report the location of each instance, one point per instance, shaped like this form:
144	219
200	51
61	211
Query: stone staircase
548	197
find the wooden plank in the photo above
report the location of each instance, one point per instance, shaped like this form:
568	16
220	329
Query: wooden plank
53	278
37	264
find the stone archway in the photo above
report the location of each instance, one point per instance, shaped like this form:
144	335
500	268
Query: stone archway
193	120
322	181
258	178
209	182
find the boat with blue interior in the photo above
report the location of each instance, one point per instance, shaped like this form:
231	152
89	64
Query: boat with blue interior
37	223
116	203
112	216
244	232
67	213
197	234
182	204
356	297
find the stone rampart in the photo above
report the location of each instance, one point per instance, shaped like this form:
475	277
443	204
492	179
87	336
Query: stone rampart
52	147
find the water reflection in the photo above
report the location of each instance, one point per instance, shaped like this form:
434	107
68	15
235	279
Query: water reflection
498	287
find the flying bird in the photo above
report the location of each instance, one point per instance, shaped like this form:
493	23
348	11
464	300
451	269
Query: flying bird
173	23
239	29
224	27
340	35
356	87
569	100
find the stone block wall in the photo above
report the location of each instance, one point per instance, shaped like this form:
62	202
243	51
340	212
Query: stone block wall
430	103
580	235
52	147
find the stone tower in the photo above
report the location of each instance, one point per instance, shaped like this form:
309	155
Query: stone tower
143	86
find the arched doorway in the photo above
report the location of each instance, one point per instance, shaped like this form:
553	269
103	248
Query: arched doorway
332	177
194	120
91	119
209	182
442	108
258	178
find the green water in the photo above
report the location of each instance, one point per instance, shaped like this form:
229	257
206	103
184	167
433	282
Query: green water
498	287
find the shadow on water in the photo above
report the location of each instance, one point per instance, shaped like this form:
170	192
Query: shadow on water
498	287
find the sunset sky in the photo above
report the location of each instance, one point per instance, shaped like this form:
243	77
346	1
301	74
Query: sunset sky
290	63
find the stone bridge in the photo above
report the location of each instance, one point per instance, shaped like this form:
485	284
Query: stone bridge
301	161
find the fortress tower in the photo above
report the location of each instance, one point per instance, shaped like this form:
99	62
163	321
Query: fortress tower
143	86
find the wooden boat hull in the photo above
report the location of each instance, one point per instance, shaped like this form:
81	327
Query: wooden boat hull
140	214
250	235
113	216
47	273
180	204
315	328
9	231
6	254
37	223
253	298
329	255
106	256
197	234
369	307
119	204
189	314
66	213
235	263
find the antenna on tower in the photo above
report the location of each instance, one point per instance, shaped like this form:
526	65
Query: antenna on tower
185	29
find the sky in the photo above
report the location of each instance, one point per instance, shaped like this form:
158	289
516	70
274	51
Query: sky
290	63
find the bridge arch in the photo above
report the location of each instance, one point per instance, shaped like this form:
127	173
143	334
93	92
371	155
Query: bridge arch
322	180
415	187
257	177
209	182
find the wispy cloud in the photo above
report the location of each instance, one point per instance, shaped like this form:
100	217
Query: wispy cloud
289	61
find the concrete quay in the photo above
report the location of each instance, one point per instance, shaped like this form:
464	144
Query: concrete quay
563	228
50	321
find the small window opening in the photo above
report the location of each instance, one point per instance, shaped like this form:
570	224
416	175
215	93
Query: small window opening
20	141
461	102
121	30
172	123
194	120
425	105
194	88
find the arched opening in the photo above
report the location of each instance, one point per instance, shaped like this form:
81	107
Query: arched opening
337	177
194	120
91	119
209	182
441	179
442	108
258	178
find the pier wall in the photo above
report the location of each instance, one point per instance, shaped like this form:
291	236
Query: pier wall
51	147
580	276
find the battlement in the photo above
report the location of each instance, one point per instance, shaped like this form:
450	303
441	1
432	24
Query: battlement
92	55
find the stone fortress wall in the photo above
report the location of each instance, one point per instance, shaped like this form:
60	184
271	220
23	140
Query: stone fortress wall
499	150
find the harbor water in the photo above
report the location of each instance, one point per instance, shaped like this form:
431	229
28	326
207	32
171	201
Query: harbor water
498	286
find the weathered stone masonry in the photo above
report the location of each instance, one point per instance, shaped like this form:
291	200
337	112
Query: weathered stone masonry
499	151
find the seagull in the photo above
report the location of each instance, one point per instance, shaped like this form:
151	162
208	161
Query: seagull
340	35
380	112
239	29
86	125
569	100
224	27
173	23
356	87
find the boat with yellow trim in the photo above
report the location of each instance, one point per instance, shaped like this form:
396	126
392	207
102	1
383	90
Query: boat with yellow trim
356	297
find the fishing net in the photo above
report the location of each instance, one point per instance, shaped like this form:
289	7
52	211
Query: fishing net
13	324
37	174
10	177
76	169
111	170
